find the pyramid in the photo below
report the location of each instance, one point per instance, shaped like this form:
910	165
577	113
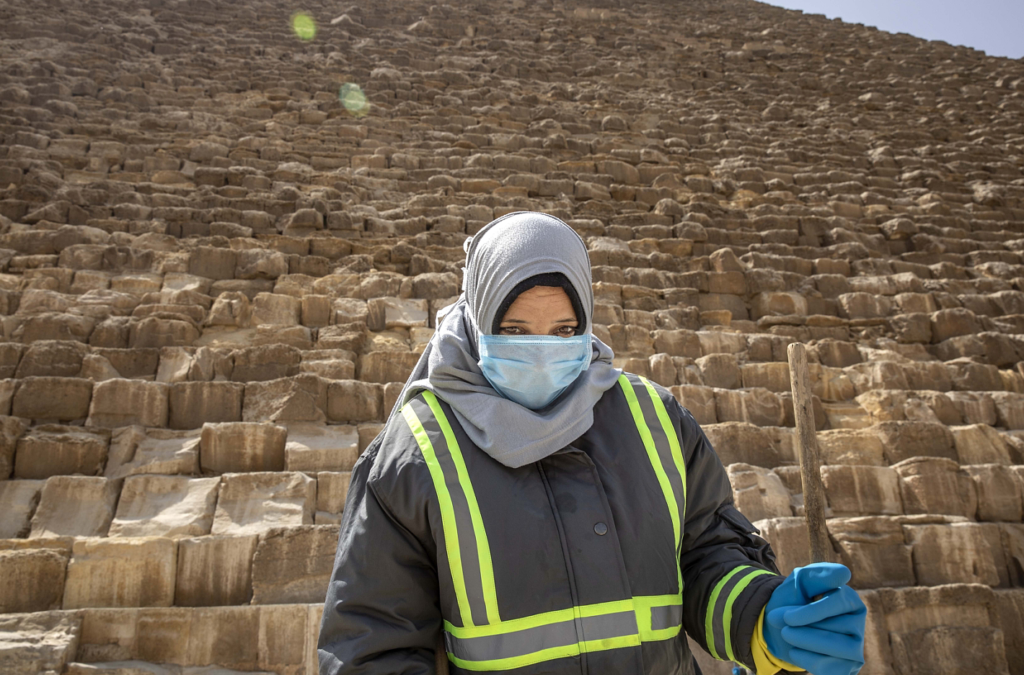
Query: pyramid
225	230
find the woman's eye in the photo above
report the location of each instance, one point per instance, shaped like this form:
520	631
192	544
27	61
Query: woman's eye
511	330
566	331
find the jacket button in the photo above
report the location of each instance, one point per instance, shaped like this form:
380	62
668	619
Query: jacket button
601	529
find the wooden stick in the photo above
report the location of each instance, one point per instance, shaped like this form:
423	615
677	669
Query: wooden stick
441	655
810	461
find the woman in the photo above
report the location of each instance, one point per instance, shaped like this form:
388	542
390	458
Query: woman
547	513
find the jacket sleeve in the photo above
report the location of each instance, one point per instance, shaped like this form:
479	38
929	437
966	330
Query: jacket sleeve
728	570
381	615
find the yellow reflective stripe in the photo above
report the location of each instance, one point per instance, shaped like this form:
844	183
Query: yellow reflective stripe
670	433
652	454
483	549
642	606
709	628
537	620
517	661
727	618
444	498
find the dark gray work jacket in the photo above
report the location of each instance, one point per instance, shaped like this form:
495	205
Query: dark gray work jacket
572	564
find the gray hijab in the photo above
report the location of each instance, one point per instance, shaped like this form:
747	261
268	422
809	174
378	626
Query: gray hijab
509	250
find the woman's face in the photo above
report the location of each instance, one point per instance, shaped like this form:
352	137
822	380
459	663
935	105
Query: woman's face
542	310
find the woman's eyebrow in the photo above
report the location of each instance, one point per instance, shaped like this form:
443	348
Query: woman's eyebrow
569	320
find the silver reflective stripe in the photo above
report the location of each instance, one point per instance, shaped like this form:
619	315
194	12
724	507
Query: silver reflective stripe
460	505
668	616
532	640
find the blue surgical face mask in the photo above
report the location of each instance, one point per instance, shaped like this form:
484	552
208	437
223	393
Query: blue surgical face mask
533	370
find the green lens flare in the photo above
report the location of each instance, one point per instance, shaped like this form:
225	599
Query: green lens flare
303	26
354	100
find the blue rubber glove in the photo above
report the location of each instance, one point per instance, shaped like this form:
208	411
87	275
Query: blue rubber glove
824	636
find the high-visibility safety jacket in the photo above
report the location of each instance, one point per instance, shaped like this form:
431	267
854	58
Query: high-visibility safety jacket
592	560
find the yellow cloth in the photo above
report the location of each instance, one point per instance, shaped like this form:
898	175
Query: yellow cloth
764	660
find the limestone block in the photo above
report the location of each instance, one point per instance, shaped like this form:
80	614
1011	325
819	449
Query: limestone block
937	486
135	450
970	376
758	493
293	564
302	398
242	446
52	358
739	442
315	447
128	572
862	490
54	450
332	491
948	323
1013	549
224	636
215	570
980	444
260	264
316	310
771	376
756	406
874	550
877	651
52	398
872	375
266	362
904	440
957	553
278	310
864	306
175	365
1010	608
777	304
354	401
121	403
789	540
250	503
999	491
165	506
389	313
230	308
700	401
828	384
192	404
38	643
77	506
161	635
156	332
1009	409
18	501
383	367
974	407
956	650
212	263
720	371
31	580
11	429
858	447
684	343
283	637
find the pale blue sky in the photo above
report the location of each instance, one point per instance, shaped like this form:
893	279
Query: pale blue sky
993	26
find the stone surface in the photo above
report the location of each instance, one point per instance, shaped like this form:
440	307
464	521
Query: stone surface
79	506
964	553
121	572
135	450
251	503
18	501
42	642
758	493
165	506
214	571
316	448
31	580
242	446
54	450
862	490
294	564
121	403
936	486
874	550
